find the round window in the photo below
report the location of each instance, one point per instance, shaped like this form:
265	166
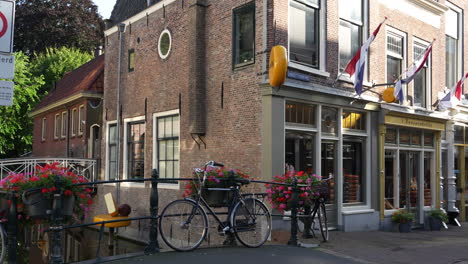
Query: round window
164	44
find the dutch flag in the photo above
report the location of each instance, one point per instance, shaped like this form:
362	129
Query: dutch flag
411	73
453	97
356	66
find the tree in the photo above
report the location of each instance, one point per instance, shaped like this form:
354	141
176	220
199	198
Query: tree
55	62
15	125
55	23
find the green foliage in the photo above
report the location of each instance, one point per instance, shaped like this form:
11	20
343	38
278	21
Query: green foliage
55	62
402	216
55	23
15	125
438	214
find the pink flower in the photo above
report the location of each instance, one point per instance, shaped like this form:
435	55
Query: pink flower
282	206
34	179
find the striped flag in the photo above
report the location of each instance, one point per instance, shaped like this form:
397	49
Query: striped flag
453	97
356	66
411	73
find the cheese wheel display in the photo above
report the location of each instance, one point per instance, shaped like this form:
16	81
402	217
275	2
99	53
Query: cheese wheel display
278	65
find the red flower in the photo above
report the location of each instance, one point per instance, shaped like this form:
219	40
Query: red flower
90	202
52	189
67	193
82	196
45	190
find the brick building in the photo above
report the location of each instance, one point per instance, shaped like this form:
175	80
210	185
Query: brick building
194	87
67	121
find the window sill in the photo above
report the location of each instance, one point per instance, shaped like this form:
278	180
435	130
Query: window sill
357	210
309	69
133	184
347	79
241	66
169	186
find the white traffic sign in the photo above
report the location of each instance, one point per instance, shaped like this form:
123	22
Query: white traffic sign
6	93
7	67
7	9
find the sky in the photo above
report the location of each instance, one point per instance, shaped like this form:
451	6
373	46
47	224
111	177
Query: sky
105	7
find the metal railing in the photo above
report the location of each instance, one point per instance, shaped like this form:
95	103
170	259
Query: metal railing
82	167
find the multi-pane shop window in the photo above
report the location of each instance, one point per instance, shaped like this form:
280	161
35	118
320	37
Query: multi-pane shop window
354	120
329	120
168	146
300	113
420	87
304	32
112	152
394	56
135	150
452	47
300	149
351	24
244	35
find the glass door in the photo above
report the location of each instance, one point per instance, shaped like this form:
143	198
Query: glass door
410	182
329	169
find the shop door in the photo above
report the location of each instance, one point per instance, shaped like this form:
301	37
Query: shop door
329	169
410	183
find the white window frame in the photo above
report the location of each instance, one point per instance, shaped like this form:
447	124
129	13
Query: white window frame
73	122
421	43
64	125
174	186
80	120
125	150
108	124
321	71
56	126
393	31
460	39
364	36
43	130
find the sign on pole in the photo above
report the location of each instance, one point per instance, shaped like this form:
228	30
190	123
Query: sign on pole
7	67
7	9
6	93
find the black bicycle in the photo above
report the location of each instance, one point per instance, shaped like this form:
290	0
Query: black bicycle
310	223
184	223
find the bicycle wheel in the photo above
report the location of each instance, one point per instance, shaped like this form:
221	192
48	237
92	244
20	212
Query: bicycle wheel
251	222
3	247
183	225
322	217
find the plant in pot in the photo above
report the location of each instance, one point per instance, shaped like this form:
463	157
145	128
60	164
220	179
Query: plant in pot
75	199
404	219
280	196
215	178
436	217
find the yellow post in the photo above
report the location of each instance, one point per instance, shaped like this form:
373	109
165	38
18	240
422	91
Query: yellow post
382	131
437	157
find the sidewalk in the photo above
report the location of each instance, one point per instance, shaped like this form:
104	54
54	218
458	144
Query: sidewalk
419	246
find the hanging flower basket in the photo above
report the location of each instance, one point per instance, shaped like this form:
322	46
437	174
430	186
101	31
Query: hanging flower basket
216	198
37	205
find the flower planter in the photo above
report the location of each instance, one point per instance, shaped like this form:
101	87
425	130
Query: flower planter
216	198
435	224
39	205
405	227
3	206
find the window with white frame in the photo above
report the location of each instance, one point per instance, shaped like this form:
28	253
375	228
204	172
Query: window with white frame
304	32
64	124
80	119
395	55
167	127
135	146
112	151
57	126
421	84
73	122
453	36
43	131
351	28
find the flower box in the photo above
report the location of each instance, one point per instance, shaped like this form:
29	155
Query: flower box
217	198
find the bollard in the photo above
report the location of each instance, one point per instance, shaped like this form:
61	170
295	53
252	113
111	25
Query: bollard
12	230
56	226
153	246
295	201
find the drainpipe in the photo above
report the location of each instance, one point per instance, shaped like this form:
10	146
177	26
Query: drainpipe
121	28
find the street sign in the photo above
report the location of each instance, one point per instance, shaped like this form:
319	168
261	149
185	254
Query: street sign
7	9
6	93
7	67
